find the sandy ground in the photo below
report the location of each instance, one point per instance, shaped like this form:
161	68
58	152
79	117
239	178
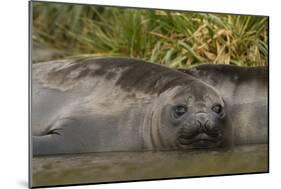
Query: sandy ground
125	166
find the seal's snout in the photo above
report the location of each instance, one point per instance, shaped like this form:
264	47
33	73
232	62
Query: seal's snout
203	132
202	122
204	125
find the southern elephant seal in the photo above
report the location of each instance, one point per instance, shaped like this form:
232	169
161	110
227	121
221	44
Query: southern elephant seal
245	91
121	104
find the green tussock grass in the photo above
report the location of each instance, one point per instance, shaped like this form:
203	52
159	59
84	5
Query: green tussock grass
175	39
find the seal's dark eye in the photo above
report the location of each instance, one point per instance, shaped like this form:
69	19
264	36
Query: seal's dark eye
217	108
180	110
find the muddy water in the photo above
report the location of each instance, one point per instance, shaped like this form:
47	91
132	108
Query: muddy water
121	166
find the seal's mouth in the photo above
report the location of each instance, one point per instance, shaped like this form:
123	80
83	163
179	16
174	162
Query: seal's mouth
200	139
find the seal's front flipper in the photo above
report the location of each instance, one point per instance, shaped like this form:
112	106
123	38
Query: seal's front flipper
46	144
61	138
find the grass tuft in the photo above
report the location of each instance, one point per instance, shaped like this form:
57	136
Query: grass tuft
175	39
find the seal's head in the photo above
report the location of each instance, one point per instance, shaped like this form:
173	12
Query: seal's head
191	117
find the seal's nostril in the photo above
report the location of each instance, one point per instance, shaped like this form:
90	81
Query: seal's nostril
198	123
203	125
199	126
207	125
201	120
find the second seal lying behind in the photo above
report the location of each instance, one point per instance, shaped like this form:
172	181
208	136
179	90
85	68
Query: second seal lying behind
120	104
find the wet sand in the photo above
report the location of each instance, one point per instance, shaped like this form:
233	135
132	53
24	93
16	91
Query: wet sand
125	166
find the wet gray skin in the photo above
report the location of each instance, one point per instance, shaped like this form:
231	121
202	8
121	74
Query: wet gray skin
120	104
